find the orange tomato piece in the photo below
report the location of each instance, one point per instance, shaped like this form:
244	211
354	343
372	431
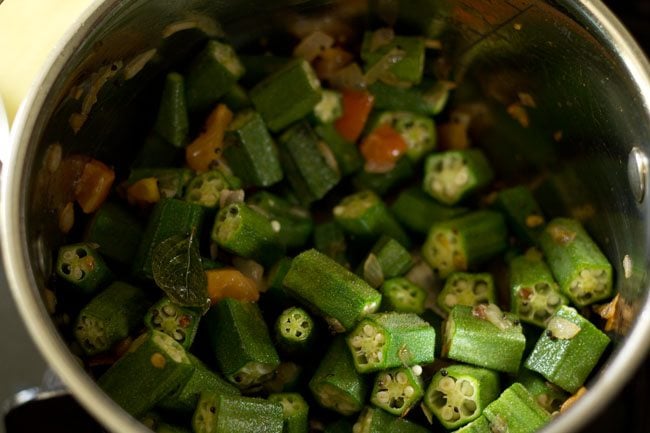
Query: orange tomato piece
143	192
203	151
230	283
356	109
93	186
382	148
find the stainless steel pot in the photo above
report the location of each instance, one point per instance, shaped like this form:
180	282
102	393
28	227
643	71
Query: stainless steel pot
586	142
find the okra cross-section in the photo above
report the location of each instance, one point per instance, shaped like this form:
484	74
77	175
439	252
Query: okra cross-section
205	189
450	176
83	268
409	51
418	132
241	343
389	340
515	411
374	420
464	242
397	391
580	268
294	330
484	336
402	296
568	350
179	323
458	394
218	413
336	384
295	411
331	290
462	288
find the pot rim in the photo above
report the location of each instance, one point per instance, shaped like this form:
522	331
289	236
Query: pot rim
13	238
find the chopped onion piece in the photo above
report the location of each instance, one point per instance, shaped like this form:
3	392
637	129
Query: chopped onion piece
311	46
228	196
562	328
349	77
493	314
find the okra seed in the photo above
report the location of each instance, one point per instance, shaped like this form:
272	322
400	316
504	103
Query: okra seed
77	274
417	370
469	407
356	342
409	391
168	310
379	338
69	255
466	388
383	397
446	384
369	330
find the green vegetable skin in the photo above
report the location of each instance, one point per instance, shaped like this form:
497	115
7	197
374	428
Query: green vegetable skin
418	131
116	232
374	420
218	413
295	412
515	411
172	123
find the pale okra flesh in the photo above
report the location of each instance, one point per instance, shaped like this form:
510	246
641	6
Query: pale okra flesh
397	391
462	288
179	323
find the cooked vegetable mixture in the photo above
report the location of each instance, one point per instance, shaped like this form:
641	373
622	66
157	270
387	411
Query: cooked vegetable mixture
294	251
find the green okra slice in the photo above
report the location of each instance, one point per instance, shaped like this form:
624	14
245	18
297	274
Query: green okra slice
484	336
83	268
534	294
251	152
213	72
178	322
402	296
275	276
172	122
295	330
218	413
464	242
410	67
347	155
170	217
336	384
242	231
116	232
398	390
205	189
523	213
479	425
295	412
568	350
578	265
171	181
453	175
287	95
330	290
310	166
241	343
374	420
383	183
329	108
365	215
237	98
458	394
417	131
329	239
295	223
389	340
428	99
387	259
110	317
463	288
515	411
154	366
547	395
416	210
185	398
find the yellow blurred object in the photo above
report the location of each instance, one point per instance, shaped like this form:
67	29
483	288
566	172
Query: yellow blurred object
144	192
203	151
230	283
29	30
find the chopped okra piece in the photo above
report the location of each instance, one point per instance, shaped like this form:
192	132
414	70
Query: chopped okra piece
547	395
330	290
365	215
337	385
427	99
294	330
374	420
178	322
156	152
288	95
484	336
240	230
261	66
461	243
83	268
214	71
329	108
172	122
274	278
568	350
295	412
347	154
294	222
416	210
237	98
154	366
110	317
205	189
241	343
170	217
251	152
458	394
116	231
171	181
479	425
218	413
382	183
580	268
452	175
398	390
418	132
462	288
388	340
523	214
309	165
534	294
387	259
407	68
402	296
329	239
185	398
515	411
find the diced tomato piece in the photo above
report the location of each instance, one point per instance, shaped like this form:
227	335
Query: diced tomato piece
356	109
382	148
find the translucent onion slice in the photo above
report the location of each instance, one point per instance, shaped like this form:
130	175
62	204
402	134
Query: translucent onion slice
313	45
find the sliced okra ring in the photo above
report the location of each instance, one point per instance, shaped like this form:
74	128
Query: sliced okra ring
515	411
218	413
295	412
409	69
374	420
458	394
579	266
172	122
416	210
397	391
388	340
205	189
179	323
418	131
522	212
402	296
568	350
462	288
294	330
450	176
329	108
83	267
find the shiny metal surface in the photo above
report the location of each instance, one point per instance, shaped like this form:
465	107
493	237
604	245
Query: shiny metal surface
589	81
637	173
